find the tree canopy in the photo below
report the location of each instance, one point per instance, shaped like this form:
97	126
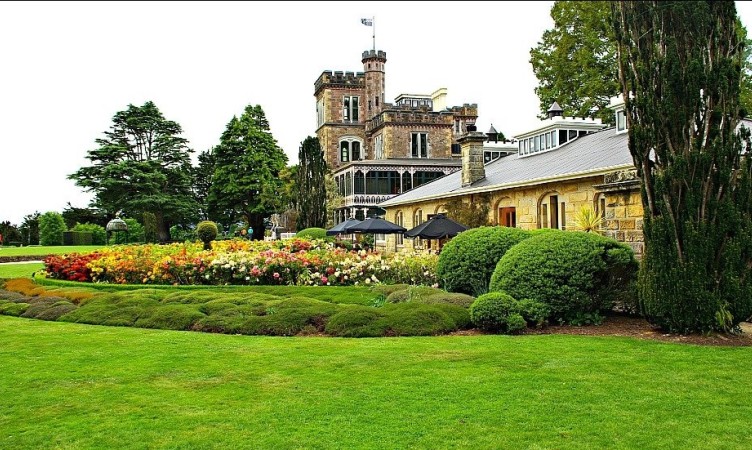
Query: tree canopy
246	179
142	164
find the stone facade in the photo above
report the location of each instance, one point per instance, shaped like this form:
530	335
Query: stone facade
532	206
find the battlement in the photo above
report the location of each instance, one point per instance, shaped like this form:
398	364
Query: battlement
374	54
340	79
468	109
409	115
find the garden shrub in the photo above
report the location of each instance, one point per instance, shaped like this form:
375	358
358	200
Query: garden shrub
207	231
413	294
571	272
357	321
534	312
51	227
55	311
459	315
515	323
313	233
468	260
415	320
77	238
170	317
450	298
13	308
492	312
386	289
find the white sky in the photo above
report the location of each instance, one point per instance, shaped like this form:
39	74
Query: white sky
66	68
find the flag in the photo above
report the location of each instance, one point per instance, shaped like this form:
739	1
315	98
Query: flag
367	22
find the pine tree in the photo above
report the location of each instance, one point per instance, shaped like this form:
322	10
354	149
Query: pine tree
679	68
311	185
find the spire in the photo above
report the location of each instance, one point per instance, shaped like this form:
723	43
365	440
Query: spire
555	110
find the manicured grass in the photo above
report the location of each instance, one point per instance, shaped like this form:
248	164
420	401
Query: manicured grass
78	386
47	250
19	270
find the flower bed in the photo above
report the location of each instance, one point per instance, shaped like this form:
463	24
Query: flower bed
240	262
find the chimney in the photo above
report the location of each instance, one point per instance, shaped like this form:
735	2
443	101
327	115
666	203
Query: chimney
471	144
438	98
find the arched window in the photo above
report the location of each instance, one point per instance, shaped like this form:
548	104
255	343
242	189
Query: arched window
350	149
552	211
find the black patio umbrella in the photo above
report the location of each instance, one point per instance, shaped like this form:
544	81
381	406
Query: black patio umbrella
437	227
340	227
375	225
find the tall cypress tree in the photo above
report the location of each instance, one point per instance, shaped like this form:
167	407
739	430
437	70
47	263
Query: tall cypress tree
311	201
679	69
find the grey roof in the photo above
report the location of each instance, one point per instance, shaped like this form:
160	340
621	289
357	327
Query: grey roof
555	107
591	154
492	130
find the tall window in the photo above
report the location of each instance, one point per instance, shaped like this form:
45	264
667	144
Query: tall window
418	219
349	150
378	144
320	112
350	109
399	219
419	145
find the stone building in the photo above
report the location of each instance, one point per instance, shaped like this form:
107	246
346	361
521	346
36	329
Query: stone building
562	165
377	150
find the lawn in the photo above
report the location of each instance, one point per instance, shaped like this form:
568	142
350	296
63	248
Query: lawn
81	386
19	270
47	250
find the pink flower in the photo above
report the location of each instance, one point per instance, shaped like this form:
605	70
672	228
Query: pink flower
276	275
324	280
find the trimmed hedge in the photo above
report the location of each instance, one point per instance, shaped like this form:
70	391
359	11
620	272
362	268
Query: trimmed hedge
312	233
572	272
497	312
468	260
207	231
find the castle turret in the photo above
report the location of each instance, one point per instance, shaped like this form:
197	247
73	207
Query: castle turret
375	80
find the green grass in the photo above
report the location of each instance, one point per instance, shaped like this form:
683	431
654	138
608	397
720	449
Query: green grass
77	386
19	270
47	250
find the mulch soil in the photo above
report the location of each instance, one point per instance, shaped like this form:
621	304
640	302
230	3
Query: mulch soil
637	327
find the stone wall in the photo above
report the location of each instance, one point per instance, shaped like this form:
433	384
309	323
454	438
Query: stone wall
397	140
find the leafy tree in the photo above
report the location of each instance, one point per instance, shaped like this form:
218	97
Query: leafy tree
30	228
51	228
141	165
311	185
202	181
333	199
681	64
246	180
471	214
10	232
73	215
575	62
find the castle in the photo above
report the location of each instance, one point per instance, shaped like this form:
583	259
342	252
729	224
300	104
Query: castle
377	150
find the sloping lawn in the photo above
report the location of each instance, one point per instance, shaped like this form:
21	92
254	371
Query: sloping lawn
47	250
80	386
19	270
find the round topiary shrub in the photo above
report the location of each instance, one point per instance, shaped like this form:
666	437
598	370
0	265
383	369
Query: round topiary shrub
492	312
207	231
572	272
312	233
468	260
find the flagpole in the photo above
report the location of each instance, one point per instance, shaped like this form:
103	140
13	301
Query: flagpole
373	21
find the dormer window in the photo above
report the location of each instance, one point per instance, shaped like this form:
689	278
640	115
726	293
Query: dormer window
621	121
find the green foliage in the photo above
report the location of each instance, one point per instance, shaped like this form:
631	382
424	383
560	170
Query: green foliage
77	238
413	294
312	233
12	309
98	232
10	233
404	319
206	231
30	229
246	179
73	216
575	61
534	312
51	227
135	232
141	165
170	317
497	312
471	214
684	78
588	220
333	199
202	175
311	185
571	272
448	298
468	260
